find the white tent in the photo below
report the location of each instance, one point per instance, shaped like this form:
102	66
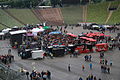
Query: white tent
6	30
18	32
36	30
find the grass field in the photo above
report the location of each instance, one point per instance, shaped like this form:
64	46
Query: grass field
114	4
24	15
72	14
7	20
97	12
2	27
115	18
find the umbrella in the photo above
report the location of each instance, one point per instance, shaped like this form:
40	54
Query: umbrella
55	32
107	35
46	27
71	34
90	39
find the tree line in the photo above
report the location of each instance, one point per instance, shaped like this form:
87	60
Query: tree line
34	3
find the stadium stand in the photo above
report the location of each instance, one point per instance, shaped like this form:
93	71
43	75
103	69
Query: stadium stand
8	20
114	8
114	4
52	16
98	12
24	15
1	26
115	18
72	14
36	11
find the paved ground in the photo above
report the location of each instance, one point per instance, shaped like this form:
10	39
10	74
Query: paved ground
58	66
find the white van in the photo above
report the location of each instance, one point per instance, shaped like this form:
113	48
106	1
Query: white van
38	54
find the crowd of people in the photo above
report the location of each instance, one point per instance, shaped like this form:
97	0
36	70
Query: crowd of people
88	57
90	77
6	59
40	75
44	40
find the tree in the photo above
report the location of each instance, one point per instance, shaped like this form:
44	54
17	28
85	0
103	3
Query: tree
96	1
56	2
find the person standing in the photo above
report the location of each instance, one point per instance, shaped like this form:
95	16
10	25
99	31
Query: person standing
80	78
48	75
9	51
99	79
95	78
106	62
111	62
83	67
69	68
108	70
100	61
45	76
102	68
90	57
90	65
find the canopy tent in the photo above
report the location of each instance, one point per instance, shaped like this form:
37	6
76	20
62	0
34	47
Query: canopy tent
15	27
40	27
101	44
101	47
18	32
46	27
6	30
30	34
70	34
1	34
89	39
36	30
55	32
107	35
95	34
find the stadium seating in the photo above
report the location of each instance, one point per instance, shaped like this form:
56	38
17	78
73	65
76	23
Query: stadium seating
8	20
2	27
72	14
115	18
24	15
51	16
97	12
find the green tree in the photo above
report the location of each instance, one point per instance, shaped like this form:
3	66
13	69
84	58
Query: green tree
96	1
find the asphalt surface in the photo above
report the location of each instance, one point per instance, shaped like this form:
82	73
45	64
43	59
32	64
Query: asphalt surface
59	66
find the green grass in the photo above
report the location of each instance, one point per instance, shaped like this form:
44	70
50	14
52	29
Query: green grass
24	15
115	3
7	20
72	14
2	27
115	18
97	12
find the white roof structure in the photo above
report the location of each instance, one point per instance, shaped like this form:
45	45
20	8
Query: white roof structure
18	32
37	30
1	34
6	30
